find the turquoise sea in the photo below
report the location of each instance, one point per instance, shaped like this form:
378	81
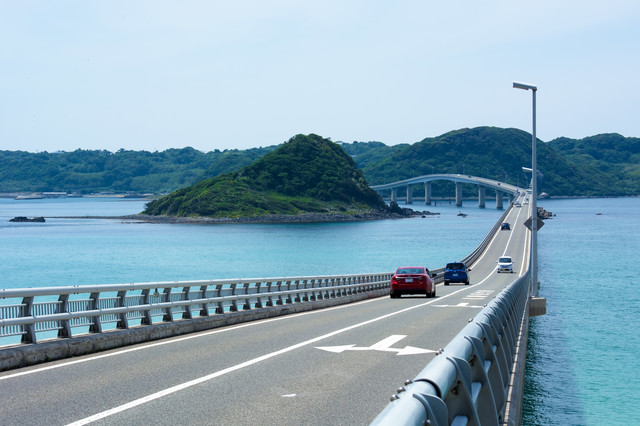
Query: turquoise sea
582	356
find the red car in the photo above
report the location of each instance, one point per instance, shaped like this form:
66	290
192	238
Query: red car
412	280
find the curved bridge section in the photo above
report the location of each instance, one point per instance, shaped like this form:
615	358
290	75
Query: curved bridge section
483	184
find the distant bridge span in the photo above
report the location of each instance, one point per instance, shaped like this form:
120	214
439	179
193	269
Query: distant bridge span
500	188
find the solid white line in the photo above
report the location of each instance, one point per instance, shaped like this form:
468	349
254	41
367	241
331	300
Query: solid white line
251	362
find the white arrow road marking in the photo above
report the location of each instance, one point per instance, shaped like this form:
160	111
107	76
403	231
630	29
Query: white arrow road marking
386	343
383	345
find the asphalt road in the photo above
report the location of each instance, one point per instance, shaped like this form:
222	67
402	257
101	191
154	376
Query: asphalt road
333	366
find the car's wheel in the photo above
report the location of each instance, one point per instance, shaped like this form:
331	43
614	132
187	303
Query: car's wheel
433	293
466	283
446	283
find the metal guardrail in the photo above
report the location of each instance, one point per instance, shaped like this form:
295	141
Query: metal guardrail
467	382
73	310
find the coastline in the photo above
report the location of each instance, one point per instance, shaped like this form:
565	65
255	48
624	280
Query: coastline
302	218
273	218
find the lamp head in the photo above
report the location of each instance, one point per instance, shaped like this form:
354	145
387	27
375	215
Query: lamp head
524	86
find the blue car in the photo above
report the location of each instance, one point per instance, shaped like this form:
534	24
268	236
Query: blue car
456	272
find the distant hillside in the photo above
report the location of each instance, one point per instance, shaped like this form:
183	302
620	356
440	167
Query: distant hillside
589	167
308	174
601	165
611	155
87	171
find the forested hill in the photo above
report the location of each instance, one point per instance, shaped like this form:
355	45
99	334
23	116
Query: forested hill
307	174
601	165
91	171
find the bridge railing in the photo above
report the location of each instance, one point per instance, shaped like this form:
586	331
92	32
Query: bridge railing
72	310
467	382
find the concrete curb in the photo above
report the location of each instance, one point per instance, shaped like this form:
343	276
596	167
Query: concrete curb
30	354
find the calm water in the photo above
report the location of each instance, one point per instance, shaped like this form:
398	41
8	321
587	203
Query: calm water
582	356
582	366
80	251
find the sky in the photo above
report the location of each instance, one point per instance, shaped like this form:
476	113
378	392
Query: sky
208	74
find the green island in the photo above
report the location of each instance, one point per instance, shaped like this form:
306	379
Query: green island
307	177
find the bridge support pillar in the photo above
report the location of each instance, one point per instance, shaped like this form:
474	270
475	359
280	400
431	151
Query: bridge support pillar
481	196
499	196
427	193
394	194
409	194
458	194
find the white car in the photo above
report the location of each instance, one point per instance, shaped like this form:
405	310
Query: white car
505	264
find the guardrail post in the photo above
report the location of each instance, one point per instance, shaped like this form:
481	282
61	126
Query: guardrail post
500	356
234	302
288	298
505	344
220	307
147	319
279	300
247	291
260	286
460	400
96	321
65	327
29	335
123	321
323	292
484	401
204	312
492	367
297	297
269	285
187	314
168	311
437	413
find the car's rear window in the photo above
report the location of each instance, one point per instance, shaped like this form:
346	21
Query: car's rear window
455	266
410	271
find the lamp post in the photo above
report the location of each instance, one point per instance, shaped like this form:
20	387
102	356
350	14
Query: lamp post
534	193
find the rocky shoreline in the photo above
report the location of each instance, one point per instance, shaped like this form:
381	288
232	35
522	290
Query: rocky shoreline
275	218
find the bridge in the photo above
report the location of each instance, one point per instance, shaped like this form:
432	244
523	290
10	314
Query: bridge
483	184
256	350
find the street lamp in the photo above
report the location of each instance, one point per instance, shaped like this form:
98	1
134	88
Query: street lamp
534	193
